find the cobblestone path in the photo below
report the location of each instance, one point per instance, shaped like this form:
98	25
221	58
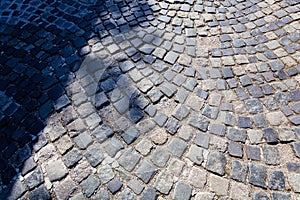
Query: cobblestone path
169	99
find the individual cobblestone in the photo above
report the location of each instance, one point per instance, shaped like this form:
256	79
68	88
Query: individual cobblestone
257	175
216	163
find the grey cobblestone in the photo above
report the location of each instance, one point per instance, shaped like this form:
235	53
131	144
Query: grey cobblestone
146	171
216	163
56	170
164	182
89	185
129	159
160	157
257	175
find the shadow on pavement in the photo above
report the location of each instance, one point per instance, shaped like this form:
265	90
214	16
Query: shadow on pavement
42	45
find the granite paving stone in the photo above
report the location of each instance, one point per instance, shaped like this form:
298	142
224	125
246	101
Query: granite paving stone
129	159
150	194
89	185
56	170
164	182
216	163
182	191
146	171
195	154
238	171
177	147
105	174
72	157
114	186
160	157
276	180
257	175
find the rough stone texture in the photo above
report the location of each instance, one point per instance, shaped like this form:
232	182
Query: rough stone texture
219	185
105	173
238	171
177	147
276	180
114	186
216	162
146	171
89	185
182	191
257	175
239	191
195	154
271	155
199	122
164	182
160	157
294	181
201	175
56	170
129	159
64	189
136	186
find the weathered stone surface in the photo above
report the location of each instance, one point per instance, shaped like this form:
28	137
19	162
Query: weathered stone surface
201	179
126	195
239	191
146	171
114	186
276	180
72	157
195	154
55	170
276	118
89	185
257	175
236	135
136	186
164	182
280	196
260	195
65	188
177	147
235	149
219	185
40	193
172	126
94	155
129	159
149	194
101	194
181	112
105	173
199	122
204	196
144	147
182	191
160	157
294	181
216	162
271	155
35	178
253	152
238	171
202	140
296	146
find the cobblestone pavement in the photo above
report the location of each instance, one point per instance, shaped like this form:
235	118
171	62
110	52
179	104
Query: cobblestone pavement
170	99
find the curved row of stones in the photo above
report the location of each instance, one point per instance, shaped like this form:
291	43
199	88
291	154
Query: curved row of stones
169	100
